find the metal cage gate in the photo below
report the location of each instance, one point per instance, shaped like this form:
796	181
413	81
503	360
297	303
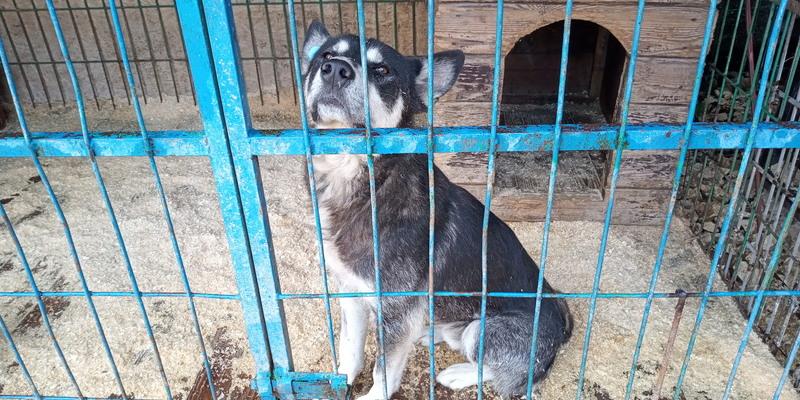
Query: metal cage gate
232	147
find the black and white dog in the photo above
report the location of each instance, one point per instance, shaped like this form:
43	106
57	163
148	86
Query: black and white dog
333	90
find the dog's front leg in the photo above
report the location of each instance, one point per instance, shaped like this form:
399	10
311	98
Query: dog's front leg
396	357
400	334
355	318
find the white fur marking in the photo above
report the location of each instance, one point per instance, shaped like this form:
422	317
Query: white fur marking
460	376
381	115
341	46
328	113
312	88
355	320
469	339
340	170
374	55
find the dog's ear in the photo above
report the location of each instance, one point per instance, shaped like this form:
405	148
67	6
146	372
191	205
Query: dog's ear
446	67
316	36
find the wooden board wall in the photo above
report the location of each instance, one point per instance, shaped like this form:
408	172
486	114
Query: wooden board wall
669	46
670	41
667	31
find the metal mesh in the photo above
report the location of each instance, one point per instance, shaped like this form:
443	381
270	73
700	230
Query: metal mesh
736	58
158	55
233	149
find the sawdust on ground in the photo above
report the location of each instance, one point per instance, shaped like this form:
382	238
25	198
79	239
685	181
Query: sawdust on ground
572	258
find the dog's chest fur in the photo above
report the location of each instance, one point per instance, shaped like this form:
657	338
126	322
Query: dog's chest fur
337	182
343	193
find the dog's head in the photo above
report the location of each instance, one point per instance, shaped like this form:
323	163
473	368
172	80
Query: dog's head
333	80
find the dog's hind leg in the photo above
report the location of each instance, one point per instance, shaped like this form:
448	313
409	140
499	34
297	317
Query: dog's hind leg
355	319
449	333
460	376
507	342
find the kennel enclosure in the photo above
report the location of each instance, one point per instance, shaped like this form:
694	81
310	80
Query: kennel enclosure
600	49
232	146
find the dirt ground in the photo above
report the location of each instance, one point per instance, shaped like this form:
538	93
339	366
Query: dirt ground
192	197
193	201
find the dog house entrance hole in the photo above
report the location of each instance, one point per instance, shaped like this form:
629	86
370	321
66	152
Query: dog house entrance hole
596	63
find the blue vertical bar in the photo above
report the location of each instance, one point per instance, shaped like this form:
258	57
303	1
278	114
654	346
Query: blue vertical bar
676	183
723	234
601	253
312	181
487	207
104	194
198	44
362	41
431	207
38	295
123	53
87	294
551	190
18	358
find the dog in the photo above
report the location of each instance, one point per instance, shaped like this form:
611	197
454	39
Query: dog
334	98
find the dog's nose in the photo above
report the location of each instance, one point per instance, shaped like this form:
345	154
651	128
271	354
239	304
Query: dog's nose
337	71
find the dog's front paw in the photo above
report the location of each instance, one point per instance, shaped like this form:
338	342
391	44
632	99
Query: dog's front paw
350	369
375	393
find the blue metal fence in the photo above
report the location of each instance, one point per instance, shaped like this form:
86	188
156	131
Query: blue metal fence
232	146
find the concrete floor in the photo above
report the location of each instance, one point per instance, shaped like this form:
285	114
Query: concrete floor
192	196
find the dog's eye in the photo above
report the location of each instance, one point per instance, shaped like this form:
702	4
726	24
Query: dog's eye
382	69
327	55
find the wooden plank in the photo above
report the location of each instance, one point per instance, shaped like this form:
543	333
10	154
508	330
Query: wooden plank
639	169
454	113
463	168
663	81
474	83
386	24
644	169
457	113
657	81
666	31
665	113
599	63
632	206
526	172
406	26
421	21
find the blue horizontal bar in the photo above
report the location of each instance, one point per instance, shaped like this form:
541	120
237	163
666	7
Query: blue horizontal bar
71	144
396	141
607	295
217	296
526	138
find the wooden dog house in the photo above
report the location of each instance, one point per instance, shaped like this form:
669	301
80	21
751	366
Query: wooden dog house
600	42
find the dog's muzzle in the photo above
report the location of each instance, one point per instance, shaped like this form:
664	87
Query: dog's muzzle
337	73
